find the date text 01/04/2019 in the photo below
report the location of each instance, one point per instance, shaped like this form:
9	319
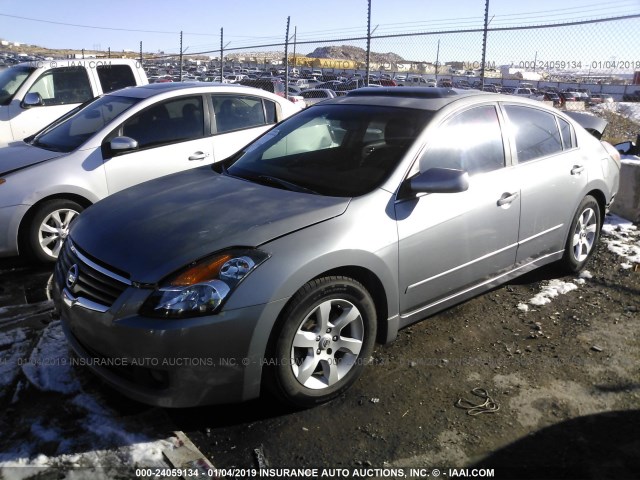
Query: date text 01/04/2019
596	64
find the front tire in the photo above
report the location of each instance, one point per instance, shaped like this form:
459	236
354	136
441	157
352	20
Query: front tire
327	335
583	235
49	228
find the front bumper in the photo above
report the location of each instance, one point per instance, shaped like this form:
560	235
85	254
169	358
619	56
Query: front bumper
171	363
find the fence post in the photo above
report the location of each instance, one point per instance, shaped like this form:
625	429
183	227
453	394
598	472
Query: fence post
368	69
484	42
286	61
180	55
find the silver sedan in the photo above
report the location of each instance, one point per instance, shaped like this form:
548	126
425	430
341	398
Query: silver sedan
280	267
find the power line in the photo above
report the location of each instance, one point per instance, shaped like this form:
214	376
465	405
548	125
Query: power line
87	26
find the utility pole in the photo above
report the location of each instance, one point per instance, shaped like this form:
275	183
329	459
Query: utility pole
141	53
109	52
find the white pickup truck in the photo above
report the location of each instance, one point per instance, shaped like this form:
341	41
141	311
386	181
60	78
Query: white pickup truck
34	94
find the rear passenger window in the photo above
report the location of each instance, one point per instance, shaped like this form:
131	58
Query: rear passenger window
565	133
115	77
535	132
237	112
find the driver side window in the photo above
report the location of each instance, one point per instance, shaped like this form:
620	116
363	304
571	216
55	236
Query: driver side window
63	86
470	141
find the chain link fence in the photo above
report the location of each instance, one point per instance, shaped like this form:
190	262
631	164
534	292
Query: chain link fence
598	54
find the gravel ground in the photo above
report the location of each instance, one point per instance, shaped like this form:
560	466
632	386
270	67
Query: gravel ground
564	377
559	356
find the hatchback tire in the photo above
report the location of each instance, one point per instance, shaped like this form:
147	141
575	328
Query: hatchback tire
325	339
49	228
583	235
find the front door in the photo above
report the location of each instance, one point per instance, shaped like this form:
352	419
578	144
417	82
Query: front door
449	242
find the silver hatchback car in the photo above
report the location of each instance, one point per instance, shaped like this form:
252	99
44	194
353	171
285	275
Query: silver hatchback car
115	141
281	266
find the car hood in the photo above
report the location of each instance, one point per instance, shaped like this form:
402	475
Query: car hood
19	155
153	229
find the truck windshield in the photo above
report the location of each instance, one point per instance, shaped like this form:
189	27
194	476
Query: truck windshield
69	134
11	79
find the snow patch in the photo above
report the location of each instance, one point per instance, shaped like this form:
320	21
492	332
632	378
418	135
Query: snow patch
13	348
622	238
49	367
552	290
631	110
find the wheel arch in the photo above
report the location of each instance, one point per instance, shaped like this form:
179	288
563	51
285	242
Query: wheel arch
28	216
602	203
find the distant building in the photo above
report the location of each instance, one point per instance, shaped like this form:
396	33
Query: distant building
519	73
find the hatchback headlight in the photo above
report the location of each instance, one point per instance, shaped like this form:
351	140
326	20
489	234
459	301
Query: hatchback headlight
202	287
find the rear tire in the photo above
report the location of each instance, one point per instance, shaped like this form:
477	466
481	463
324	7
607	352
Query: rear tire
327	336
49	228
583	235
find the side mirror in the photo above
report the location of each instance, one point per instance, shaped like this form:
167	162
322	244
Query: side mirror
123	144
32	99
440	180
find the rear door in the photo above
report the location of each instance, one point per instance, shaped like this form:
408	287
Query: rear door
237	120
553	175
450	242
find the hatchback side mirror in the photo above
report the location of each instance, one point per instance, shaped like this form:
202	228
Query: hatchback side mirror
32	99
117	146
440	180
123	144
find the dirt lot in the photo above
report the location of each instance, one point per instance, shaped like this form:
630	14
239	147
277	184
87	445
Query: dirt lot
564	378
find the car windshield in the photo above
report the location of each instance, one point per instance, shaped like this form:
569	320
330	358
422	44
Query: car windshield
70	133
334	150
11	79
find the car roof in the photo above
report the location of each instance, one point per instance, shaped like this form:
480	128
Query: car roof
424	98
152	89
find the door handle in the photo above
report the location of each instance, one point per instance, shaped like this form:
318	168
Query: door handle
577	169
198	156
507	198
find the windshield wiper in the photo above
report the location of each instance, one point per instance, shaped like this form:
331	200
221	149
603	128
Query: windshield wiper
267	179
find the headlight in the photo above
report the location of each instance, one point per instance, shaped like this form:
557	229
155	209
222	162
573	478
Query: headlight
201	288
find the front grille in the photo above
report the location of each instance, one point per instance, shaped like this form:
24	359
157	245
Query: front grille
95	282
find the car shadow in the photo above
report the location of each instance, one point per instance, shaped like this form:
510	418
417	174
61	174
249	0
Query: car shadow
266	407
598	446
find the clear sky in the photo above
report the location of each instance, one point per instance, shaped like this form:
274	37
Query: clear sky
122	24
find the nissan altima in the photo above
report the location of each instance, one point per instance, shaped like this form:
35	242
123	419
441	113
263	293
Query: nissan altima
280	267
